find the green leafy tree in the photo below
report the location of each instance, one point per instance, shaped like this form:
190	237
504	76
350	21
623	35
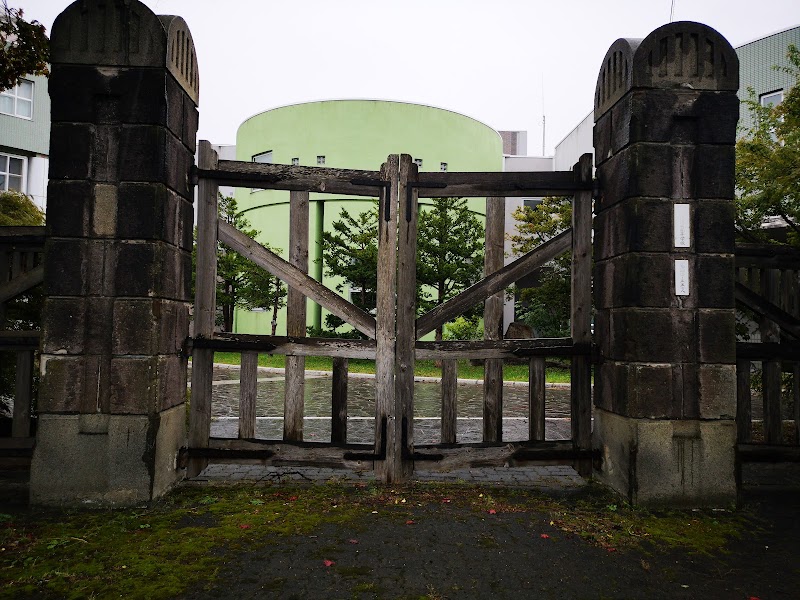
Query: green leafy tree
449	251
350	251
240	282
24	47
768	161
545	307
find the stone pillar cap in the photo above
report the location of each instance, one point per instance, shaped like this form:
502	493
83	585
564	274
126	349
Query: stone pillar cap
677	55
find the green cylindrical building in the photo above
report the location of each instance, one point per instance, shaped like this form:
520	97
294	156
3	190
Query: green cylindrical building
352	134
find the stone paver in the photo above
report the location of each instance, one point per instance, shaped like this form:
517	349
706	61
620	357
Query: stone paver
544	477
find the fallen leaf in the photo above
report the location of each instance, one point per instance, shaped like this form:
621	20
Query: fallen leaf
611	549
410	522
754	598
328	563
544	536
244	526
353	541
292	498
492	511
446	500
645	565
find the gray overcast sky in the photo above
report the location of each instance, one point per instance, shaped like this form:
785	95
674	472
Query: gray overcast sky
492	60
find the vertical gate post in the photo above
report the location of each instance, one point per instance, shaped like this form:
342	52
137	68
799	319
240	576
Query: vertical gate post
388	465
124	89
581	315
665	389
493	321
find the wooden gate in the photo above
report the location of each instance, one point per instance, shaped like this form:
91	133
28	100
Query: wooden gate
393	334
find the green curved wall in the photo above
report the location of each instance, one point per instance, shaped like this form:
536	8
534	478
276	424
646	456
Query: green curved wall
353	134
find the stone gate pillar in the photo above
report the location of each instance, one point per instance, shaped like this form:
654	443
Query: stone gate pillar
124	89
665	388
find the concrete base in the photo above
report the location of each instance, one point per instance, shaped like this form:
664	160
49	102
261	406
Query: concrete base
667	462
106	459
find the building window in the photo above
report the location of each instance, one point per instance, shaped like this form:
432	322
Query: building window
418	162
18	101
12	173
321	159
295	162
771	99
443	167
263	157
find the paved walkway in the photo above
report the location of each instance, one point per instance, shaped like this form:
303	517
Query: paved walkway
551	477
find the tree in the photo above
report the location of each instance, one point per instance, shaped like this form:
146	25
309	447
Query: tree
18	209
768	161
350	251
24	47
240	282
545	307
449	251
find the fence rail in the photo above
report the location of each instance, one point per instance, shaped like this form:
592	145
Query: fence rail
768	289
20	270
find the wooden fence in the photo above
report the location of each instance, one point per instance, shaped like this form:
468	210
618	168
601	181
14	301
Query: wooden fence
20	270
768	288
393	334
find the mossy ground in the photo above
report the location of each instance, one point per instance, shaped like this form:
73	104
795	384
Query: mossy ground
183	540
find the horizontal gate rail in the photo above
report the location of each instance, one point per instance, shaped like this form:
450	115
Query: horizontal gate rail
351	182
365	349
354	182
767	256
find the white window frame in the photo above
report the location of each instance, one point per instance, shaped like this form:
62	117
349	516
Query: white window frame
320	160
5	159
13	93
762	100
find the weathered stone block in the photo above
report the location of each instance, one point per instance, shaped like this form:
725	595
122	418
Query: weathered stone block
152	269
640	390
635	280
133	461
149	326
104	217
652	335
171	381
65	267
62	383
713	172
134	385
717	336
99	315
634	225
717	386
64	325
69	208
642	170
717	276
667	462
71	151
140	148
714	226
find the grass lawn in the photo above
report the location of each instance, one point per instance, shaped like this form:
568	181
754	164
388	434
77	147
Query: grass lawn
423	368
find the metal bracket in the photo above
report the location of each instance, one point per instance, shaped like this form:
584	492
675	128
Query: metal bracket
387	185
410	186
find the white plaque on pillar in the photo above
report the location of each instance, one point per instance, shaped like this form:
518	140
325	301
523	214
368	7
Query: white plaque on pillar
681	277
683	232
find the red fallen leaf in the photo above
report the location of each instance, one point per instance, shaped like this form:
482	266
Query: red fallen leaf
492	511
353	541
328	563
292	498
410	522
446	500
754	598
544	536
244	526
611	549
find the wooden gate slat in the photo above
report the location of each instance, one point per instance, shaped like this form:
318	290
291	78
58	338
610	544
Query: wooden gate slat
204	309
581	312
248	391
339	401
449	400
536	399
387	468
407	217
744	400
294	397
21	423
493	321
